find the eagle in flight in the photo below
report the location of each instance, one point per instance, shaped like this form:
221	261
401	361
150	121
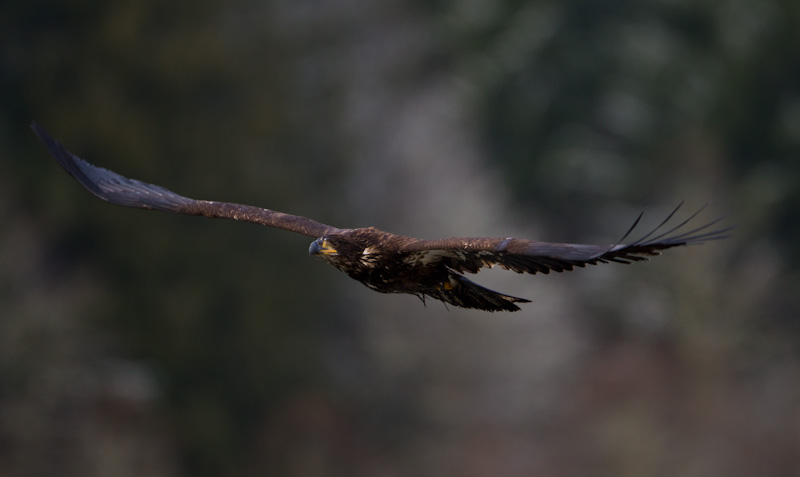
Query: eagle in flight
390	263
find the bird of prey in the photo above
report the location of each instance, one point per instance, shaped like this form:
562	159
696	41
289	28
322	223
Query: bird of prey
390	263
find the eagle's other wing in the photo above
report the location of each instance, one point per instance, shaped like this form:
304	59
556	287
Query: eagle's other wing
120	190
465	254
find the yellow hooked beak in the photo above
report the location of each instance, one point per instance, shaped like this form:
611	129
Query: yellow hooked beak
321	246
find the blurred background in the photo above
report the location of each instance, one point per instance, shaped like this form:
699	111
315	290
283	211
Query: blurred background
141	343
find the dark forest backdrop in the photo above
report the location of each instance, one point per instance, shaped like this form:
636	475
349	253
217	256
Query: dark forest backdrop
139	343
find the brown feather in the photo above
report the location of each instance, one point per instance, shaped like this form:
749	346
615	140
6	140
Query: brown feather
120	190
469	254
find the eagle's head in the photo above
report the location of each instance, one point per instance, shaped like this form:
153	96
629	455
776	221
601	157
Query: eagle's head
342	251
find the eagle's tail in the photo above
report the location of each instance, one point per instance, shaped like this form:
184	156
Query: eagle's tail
465	293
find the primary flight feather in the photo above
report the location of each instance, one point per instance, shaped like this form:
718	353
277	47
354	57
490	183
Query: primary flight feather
391	263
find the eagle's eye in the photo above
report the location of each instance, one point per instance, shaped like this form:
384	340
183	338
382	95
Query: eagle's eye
333	242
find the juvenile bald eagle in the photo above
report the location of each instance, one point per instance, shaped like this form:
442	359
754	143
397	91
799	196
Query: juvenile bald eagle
391	263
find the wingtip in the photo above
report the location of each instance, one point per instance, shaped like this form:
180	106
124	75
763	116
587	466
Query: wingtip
45	137
38	129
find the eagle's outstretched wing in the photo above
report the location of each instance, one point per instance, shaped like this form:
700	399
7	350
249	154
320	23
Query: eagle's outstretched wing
466	254
120	190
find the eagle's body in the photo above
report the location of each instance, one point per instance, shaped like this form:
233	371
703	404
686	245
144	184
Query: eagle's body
380	261
386	262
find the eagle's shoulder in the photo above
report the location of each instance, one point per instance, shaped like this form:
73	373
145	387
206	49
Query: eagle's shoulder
379	239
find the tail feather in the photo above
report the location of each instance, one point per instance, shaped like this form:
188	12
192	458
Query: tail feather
468	294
